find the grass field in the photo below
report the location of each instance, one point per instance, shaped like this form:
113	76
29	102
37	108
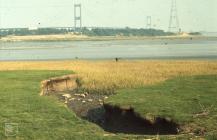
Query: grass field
40	118
124	74
188	101
47	118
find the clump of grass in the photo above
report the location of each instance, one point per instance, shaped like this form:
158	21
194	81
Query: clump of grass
78	82
211	137
102	91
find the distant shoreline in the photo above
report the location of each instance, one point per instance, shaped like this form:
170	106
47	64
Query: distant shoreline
70	37
172	58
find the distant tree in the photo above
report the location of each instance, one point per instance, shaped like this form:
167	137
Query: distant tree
195	33
90	32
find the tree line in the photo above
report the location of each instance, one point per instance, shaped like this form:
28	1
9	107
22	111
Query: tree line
86	31
125	32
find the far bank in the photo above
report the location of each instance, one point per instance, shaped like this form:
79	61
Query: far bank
72	37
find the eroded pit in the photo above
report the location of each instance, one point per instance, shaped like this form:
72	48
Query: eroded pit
119	120
113	119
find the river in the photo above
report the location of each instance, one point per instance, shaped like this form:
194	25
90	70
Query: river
125	49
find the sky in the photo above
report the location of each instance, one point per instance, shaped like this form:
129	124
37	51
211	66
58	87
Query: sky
194	15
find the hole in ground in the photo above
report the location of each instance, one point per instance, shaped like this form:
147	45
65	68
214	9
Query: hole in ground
113	119
116	120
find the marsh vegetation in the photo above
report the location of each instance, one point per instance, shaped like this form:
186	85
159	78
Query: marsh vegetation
142	90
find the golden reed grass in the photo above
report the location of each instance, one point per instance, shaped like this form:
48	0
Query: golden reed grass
123	74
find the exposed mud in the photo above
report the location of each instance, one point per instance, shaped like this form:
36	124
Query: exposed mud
82	103
119	120
112	118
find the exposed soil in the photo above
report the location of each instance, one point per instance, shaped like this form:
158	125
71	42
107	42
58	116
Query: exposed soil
86	106
119	120
112	118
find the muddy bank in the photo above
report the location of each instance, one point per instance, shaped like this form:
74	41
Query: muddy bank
57	84
91	107
82	102
72	37
113	119
119	120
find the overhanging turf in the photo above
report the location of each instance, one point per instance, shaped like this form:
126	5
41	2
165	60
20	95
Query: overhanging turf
183	100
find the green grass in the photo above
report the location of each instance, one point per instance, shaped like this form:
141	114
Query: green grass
40	118
178	99
45	118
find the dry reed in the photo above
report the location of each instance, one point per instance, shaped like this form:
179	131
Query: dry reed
123	74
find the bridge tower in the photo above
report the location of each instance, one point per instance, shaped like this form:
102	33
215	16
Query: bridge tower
77	17
148	22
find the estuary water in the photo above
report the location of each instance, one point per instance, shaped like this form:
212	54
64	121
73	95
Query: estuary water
125	49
